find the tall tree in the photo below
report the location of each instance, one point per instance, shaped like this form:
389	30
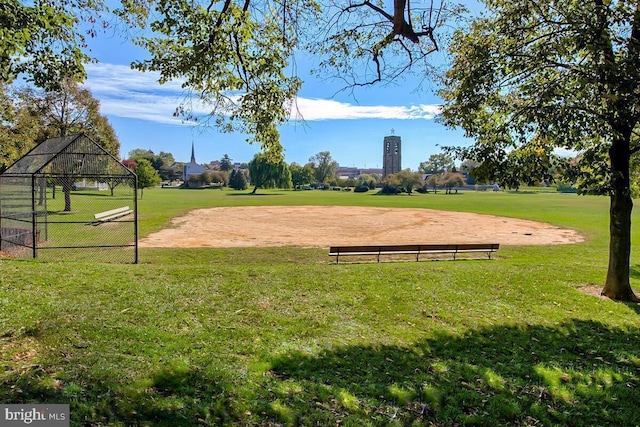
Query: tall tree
141	153
433	181
368	180
449	180
323	165
237	180
301	175
161	162
147	175
566	73
226	164
30	116
267	173
70	110
437	163
409	180
19	124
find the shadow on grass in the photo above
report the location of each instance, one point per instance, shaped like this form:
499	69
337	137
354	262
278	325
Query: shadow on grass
253	194
174	396
634	272
580	373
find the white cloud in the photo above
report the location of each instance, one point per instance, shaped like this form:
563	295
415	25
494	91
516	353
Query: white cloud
326	109
128	93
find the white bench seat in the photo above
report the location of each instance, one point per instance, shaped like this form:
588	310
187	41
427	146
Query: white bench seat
112	214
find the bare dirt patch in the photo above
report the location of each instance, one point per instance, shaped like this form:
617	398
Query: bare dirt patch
323	226
593	290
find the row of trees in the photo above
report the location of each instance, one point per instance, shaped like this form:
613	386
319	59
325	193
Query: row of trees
236	179
264	173
320	170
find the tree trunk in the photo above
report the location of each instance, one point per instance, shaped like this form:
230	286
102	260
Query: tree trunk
67	200
617	284
67	186
42	191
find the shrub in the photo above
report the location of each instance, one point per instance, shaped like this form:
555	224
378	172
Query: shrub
566	188
361	189
390	189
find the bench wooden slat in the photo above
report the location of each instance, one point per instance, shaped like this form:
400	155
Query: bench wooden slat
412	249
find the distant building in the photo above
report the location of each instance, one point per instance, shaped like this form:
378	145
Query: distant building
191	168
347	172
391	155
372	171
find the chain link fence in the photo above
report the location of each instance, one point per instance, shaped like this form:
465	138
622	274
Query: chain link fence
68	198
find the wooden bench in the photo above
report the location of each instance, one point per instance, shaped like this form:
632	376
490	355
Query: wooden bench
112	214
417	250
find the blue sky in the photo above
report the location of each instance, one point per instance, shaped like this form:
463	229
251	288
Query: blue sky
351	126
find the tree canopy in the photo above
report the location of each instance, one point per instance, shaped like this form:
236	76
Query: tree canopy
29	116
19	127
437	163
237	180
301	175
409	180
39	40
226	164
147	175
535	76
267	173
235	59
323	165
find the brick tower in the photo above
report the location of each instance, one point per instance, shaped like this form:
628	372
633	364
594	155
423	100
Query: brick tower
392	155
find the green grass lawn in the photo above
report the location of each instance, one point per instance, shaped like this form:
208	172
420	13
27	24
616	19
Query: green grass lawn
282	336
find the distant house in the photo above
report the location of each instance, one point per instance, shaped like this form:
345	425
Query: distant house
191	168
91	184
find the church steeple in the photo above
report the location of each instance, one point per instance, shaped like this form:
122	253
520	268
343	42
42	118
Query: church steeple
193	153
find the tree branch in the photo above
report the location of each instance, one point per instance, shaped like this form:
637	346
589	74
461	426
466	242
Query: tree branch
372	6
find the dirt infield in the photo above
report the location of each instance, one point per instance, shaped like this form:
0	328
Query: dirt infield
323	226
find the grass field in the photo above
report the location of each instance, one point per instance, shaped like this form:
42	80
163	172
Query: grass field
281	336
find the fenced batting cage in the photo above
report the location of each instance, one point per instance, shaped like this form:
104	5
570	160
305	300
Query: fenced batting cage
69	199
